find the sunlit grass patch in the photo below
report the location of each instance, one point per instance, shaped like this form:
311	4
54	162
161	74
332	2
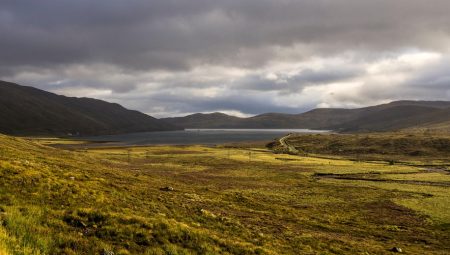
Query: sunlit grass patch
23	231
5	242
431	176
221	201
56	141
429	200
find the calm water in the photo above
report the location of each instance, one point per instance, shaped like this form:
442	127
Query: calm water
200	136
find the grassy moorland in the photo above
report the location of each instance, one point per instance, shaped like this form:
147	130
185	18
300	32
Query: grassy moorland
225	200
408	146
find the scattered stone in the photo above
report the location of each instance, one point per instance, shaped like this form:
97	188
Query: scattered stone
168	188
207	213
397	249
107	252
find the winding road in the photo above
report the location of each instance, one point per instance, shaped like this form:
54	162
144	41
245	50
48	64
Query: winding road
285	144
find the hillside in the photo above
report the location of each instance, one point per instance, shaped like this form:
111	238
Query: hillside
220	201
384	146
395	118
201	120
386	117
30	111
439	128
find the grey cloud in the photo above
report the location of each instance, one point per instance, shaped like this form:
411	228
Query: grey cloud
296	83
327	75
187	102
176	34
122	44
434	78
431	82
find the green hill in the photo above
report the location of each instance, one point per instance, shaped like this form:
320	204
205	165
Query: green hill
440	128
385	146
30	111
395	118
201	120
386	117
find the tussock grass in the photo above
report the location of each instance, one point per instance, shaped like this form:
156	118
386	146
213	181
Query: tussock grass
224	201
397	146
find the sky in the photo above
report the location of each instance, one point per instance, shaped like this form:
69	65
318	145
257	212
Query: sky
241	57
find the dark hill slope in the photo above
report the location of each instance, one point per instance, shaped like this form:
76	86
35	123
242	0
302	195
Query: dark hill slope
316	118
30	111
395	118
208	120
385	117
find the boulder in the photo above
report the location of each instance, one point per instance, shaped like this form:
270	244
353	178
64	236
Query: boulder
167	188
397	249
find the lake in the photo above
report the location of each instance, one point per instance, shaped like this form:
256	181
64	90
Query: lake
199	136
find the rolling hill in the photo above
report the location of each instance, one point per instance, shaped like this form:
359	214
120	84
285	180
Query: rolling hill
386	117
201	120
30	111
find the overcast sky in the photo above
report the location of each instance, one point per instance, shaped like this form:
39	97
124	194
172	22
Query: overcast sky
244	57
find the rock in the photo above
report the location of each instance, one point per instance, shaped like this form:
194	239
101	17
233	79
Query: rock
72	178
84	225
397	249
107	252
207	213
168	188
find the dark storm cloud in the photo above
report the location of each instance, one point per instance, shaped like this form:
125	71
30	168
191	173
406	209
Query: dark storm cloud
295	83
232	101
179	34
119	46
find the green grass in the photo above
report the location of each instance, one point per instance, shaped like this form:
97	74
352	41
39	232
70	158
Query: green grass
434	202
397	146
225	201
425	176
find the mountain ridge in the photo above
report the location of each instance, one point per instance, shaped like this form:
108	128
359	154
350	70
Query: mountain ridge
384	117
31	111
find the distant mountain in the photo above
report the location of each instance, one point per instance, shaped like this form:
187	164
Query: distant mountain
392	116
395	118
201	120
30	111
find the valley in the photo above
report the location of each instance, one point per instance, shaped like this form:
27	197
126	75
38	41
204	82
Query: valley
223	199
